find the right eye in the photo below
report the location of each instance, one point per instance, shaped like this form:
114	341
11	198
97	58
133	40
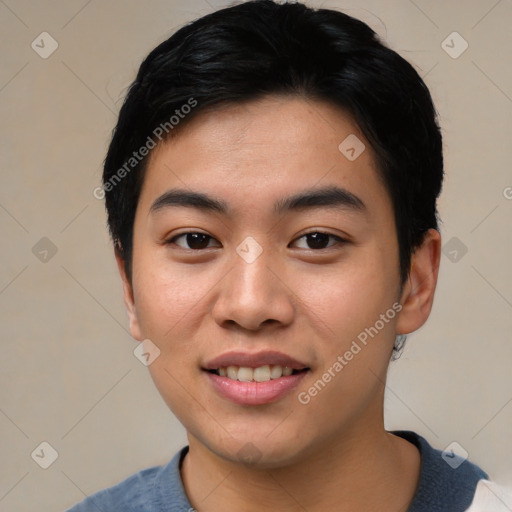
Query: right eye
195	241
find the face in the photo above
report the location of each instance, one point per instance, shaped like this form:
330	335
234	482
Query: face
258	243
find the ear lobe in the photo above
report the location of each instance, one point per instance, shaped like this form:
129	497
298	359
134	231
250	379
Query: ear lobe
418	293
128	297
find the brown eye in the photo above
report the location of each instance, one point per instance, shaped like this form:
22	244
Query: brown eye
193	241
317	240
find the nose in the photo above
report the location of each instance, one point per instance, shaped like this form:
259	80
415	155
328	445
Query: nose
253	295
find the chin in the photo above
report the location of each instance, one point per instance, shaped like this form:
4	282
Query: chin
260	452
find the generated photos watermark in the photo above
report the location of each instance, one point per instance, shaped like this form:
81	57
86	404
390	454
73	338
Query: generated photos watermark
357	345
157	135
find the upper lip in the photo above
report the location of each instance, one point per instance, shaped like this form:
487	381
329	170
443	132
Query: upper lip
254	360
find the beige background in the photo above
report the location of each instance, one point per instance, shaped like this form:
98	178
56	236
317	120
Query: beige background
68	373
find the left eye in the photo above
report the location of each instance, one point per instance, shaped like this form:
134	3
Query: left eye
317	240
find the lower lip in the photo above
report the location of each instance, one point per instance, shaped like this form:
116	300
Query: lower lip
255	393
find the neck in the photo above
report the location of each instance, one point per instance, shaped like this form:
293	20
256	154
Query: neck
365	470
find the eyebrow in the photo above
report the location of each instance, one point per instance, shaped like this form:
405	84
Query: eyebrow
328	197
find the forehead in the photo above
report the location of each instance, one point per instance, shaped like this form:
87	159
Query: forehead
253	154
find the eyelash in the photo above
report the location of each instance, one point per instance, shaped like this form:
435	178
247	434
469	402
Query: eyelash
339	240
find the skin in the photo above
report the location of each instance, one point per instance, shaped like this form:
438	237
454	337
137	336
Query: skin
303	301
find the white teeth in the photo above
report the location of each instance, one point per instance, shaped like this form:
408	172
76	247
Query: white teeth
245	374
276	372
260	374
232	372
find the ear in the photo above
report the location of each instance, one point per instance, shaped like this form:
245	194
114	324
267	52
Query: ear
128	295
418	293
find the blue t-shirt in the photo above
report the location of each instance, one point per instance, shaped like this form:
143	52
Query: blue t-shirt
444	486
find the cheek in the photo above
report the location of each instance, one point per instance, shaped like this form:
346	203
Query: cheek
173	304
166	296
170	304
345	299
354	343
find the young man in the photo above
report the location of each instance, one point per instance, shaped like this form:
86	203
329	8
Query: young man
271	193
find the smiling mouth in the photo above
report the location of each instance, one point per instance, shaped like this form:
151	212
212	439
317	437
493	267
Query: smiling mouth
263	373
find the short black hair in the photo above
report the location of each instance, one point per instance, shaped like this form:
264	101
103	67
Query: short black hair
261	48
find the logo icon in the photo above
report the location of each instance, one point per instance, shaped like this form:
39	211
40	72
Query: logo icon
44	250
454	249
454	45
454	455
249	250
352	147
146	352
44	45
249	454
45	455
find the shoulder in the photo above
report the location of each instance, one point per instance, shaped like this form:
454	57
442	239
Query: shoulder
141	491
447	482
